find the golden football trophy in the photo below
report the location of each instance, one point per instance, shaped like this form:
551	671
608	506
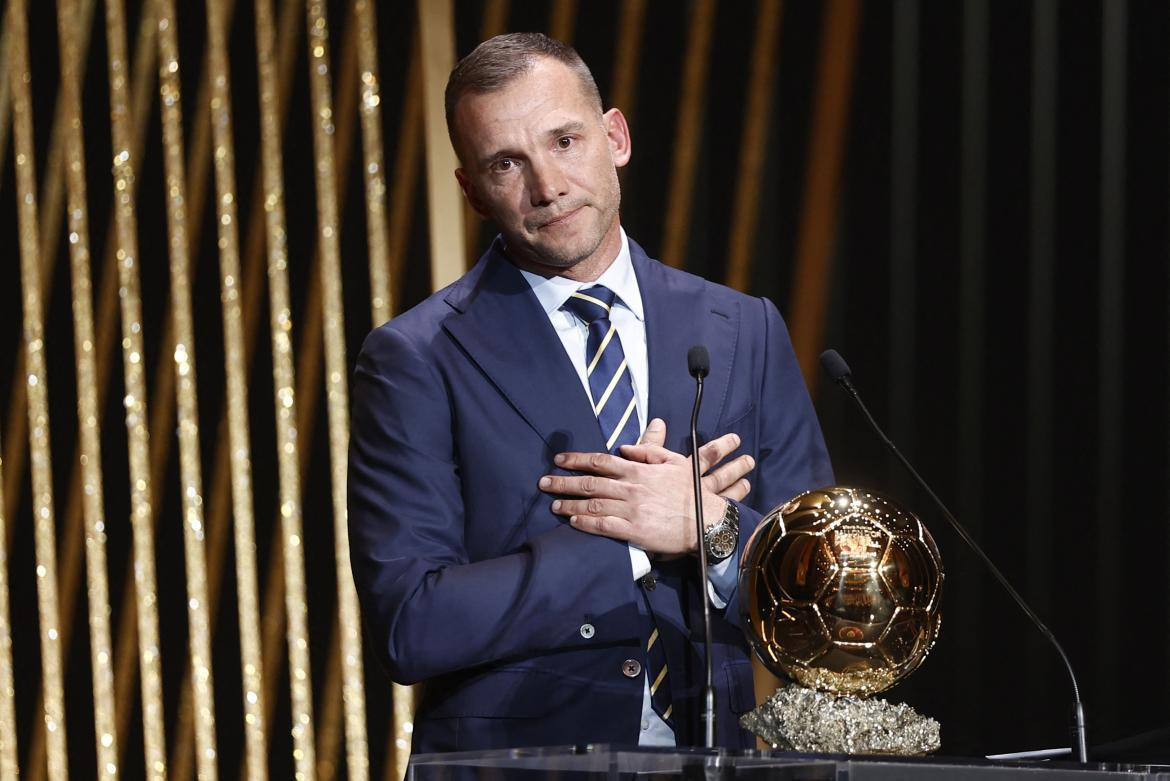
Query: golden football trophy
839	590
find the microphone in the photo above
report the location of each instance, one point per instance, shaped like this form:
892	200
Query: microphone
698	362
835	366
699	365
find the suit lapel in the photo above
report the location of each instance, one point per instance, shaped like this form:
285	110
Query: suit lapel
503	329
679	315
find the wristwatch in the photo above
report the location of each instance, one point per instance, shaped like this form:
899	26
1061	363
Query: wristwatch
720	540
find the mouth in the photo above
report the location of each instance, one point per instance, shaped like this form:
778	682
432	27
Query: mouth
561	219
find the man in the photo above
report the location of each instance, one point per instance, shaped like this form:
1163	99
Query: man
512	547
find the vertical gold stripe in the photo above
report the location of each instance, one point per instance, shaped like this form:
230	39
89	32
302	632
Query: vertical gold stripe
337	392
190	468
38	403
236	390
307	366
687	133
293	553
381	304
495	20
753	144
51	212
8	747
445	211
72	530
562	20
290	448
5	95
198	166
135	399
98	598
625	63
819	207
328	716
70	567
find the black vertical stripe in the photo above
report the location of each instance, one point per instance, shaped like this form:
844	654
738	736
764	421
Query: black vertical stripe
903	230
972	252
1041	253
970	338
1110	342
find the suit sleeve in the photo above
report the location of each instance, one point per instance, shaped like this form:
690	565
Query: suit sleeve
791	457
428	607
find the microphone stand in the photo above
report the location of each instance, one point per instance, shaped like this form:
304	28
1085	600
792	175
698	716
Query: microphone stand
709	690
838	370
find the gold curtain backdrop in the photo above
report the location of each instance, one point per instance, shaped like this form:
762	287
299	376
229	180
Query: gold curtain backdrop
239	196
208	204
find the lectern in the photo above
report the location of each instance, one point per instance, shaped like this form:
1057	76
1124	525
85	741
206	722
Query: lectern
574	763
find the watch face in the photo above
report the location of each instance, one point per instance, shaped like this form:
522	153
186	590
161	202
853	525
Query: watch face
721	541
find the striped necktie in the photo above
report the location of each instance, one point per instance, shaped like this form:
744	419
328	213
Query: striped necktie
612	394
605	365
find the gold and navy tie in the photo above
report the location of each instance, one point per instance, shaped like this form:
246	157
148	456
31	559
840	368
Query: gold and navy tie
612	394
605	365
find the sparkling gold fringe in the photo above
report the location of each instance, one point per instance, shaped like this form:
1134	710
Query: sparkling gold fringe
145	590
237	395
38	401
444	201
381	303
335	382
8	748
190	469
403	721
93	504
285	400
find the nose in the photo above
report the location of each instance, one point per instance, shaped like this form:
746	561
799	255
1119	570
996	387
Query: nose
545	182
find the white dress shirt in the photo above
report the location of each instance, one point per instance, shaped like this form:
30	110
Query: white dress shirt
629	319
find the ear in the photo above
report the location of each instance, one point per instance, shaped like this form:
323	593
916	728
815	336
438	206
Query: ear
618	133
468	188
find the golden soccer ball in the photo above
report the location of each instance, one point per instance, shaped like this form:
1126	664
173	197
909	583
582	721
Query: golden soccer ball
839	590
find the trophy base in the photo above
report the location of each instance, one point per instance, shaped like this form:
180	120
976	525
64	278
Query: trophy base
797	718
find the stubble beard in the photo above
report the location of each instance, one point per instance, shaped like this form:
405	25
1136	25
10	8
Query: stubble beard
561	256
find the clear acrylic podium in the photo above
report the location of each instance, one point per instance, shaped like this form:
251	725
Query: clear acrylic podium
581	763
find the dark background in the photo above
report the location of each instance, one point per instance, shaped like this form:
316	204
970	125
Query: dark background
997	279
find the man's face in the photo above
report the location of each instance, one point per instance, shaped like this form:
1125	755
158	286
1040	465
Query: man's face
540	160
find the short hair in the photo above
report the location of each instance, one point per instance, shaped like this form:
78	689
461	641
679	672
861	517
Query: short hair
499	61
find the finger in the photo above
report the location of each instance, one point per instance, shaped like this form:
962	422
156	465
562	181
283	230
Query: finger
584	485
594	506
651	454
655	433
604	525
725	475
594	463
716	450
737	491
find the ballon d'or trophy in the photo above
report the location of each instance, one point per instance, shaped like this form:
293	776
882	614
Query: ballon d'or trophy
839	590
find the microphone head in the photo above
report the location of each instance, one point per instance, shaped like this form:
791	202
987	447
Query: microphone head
698	361
835	366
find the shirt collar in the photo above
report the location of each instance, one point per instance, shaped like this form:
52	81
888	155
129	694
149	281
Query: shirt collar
553	292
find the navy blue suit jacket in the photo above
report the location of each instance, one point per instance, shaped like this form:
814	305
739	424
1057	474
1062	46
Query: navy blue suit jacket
467	579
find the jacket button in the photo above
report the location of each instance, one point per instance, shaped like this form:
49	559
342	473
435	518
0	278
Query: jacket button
587	631
649	581
631	668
